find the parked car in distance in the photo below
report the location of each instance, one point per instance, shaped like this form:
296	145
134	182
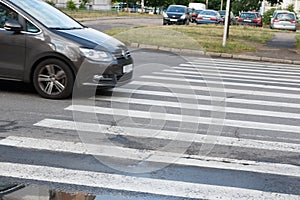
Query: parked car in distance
250	18
194	15
284	20
176	14
42	45
233	20
209	17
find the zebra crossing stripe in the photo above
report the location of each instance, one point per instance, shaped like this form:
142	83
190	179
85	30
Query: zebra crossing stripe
169	135
206	98
152	156
229	68
118	182
212	73
221	82
256	65
218	89
224	79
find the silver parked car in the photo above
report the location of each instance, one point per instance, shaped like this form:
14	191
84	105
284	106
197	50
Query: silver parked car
284	20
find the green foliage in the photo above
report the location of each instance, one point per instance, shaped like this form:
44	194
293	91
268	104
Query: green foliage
71	5
83	3
267	16
291	8
50	2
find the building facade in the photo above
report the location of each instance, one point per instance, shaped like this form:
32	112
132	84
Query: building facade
94	4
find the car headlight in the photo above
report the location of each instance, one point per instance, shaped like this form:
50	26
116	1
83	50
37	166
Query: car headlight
165	15
96	55
183	16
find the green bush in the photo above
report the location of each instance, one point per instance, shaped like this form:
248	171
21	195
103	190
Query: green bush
71	5
50	2
267	16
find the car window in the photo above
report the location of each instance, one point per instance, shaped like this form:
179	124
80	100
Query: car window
6	13
31	28
248	15
285	17
47	14
176	9
208	13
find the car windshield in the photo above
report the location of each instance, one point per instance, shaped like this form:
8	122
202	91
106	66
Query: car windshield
222	12
47	14
176	9
208	13
285	17
248	15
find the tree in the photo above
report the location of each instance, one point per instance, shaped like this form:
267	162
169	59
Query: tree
245	5
274	1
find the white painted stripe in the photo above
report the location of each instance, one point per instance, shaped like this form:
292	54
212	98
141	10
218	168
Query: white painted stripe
133	184
207	98
258	65
198	68
225	80
169	135
244	68
212	108
221	82
184	118
218	89
214	74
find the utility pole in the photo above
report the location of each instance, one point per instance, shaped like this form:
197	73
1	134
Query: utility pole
221	8
226	26
206	4
142	5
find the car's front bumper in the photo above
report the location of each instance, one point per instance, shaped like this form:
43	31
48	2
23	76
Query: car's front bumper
116	73
174	21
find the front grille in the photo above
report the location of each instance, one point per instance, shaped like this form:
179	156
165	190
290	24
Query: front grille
121	54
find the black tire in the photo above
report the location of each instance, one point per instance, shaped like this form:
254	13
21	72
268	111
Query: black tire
53	79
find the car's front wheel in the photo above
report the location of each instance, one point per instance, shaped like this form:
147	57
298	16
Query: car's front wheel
53	79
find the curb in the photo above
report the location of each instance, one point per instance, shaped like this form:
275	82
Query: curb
191	52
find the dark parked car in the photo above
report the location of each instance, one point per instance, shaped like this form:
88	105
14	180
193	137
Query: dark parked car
233	20
209	17
176	14
250	18
42	45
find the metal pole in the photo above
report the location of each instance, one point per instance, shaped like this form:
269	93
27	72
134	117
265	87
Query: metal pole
226	23
142	5
221	7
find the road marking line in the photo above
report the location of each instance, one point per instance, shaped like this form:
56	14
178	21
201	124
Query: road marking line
152	156
134	184
184	118
229	67
221	75
206	98
218	89
199	107
226	80
220	82
169	135
255	65
221	71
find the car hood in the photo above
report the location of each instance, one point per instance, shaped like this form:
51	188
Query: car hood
91	38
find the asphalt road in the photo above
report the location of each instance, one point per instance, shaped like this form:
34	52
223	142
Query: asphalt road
185	128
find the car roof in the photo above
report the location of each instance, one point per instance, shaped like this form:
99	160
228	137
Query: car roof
178	6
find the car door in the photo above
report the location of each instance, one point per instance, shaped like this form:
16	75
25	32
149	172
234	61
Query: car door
12	46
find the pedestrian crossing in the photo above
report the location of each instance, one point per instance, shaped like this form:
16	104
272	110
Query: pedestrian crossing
183	118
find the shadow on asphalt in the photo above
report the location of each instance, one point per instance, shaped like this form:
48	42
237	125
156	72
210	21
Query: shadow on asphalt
16	87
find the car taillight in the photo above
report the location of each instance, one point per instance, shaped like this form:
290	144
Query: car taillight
199	17
293	22
239	19
213	19
276	20
255	20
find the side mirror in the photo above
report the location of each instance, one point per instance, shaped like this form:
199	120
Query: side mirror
13	25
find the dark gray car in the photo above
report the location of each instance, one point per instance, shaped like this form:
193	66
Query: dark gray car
42	45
